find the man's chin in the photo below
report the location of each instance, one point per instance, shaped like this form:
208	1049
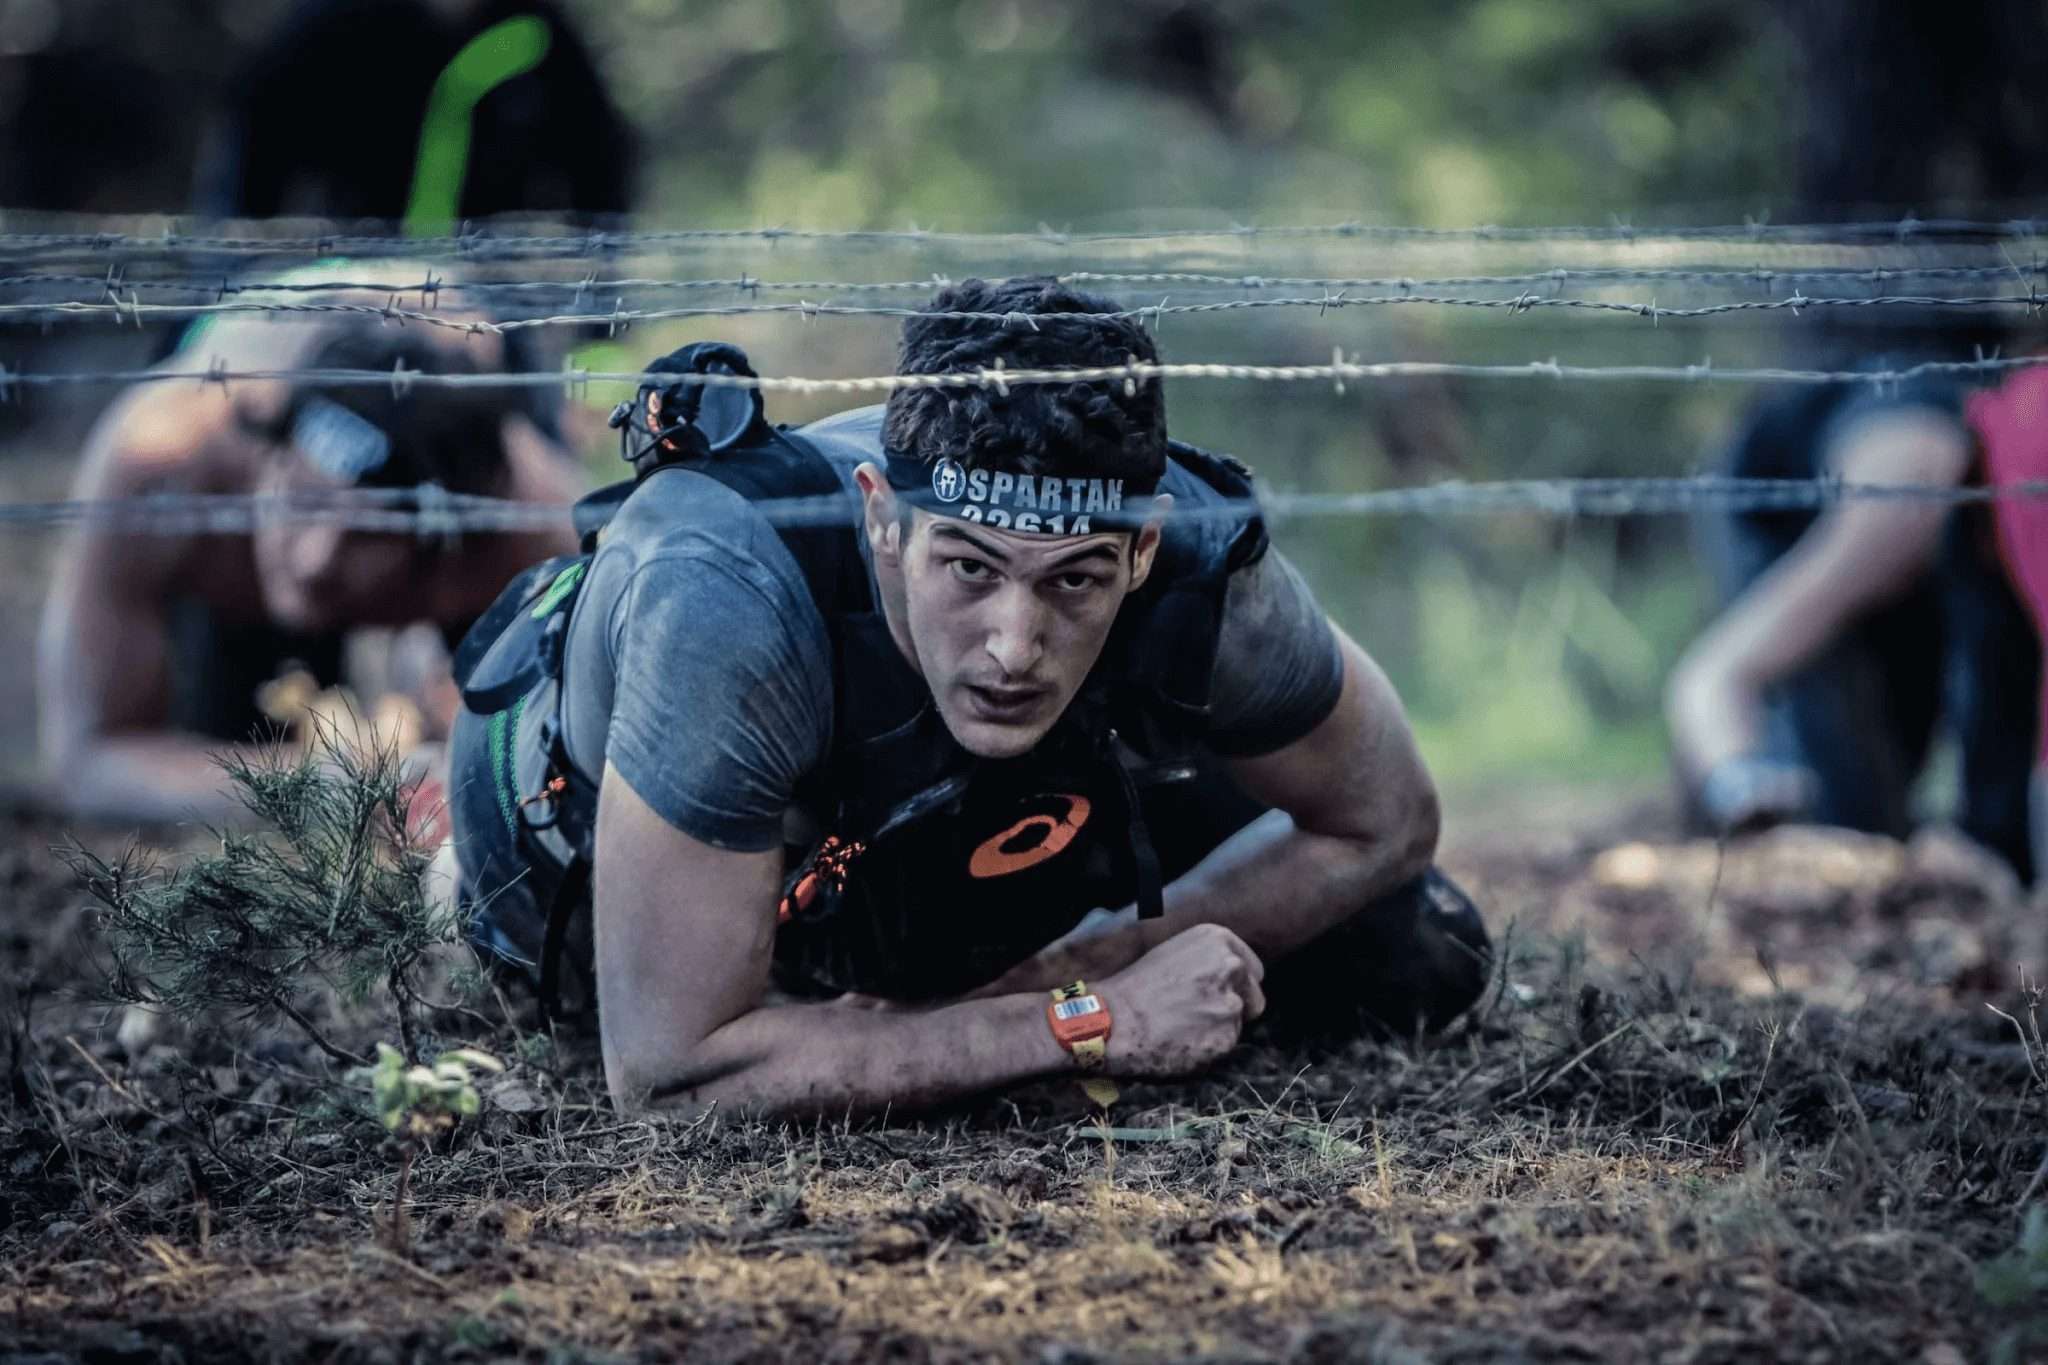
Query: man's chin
296	611
992	739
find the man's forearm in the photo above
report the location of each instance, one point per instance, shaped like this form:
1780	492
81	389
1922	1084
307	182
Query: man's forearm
1277	886
827	1058
165	778
1274	885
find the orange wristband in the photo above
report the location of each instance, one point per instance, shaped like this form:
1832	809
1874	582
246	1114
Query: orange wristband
1080	1024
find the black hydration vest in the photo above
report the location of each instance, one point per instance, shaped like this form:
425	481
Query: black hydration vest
929	871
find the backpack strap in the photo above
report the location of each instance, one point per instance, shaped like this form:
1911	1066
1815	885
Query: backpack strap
785	465
505	654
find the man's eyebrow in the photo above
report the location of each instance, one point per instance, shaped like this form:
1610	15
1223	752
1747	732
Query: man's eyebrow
1111	550
987	547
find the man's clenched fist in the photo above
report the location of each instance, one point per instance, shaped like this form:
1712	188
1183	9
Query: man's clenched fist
1184	1004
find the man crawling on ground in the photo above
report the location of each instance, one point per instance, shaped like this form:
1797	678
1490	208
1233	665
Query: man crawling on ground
1037	759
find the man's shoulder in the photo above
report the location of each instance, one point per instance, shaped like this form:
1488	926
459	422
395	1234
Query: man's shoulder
1207	538
846	440
677	507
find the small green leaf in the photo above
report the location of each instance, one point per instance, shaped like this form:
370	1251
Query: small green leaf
469	1056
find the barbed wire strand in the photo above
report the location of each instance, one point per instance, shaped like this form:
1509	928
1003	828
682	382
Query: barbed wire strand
479	243
133	310
431	512
110	286
1337	373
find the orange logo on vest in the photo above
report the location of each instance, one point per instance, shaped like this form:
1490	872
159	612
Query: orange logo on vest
1030	841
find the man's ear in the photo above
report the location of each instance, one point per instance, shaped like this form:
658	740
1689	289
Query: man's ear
1146	545
878	514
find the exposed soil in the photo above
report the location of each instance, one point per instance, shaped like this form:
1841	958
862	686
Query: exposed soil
1734	1108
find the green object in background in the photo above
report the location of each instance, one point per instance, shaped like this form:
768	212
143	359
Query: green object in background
500	53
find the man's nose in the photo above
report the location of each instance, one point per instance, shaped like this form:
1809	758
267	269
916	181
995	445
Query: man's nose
1016	635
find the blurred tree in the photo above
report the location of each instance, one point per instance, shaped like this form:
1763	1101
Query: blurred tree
1922	105
96	99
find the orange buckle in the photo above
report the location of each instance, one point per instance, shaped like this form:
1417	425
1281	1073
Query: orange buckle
551	792
829	864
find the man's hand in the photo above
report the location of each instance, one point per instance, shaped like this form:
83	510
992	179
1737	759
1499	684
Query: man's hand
1748	793
1184	1004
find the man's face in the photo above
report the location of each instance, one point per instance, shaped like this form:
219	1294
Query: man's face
318	577
1004	626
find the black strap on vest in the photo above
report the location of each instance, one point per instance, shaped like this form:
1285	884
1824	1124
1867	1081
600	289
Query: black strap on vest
572	889
1151	883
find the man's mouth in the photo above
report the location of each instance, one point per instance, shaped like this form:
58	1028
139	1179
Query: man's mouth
1005	705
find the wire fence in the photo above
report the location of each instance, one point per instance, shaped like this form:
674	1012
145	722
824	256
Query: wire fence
484	245
116	281
1337	373
620	317
115	296
430	512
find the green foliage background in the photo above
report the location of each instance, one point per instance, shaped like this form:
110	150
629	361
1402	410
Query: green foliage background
1526	647
999	113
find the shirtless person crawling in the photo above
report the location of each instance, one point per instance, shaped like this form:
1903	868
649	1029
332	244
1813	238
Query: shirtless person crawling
154	646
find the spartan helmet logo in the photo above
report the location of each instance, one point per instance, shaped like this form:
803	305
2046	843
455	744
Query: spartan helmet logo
949	481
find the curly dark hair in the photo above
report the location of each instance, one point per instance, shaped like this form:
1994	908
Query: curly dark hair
1067	430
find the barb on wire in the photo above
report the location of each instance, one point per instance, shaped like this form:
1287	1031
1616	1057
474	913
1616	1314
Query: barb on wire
98	287
485	245
410	511
1129	373
621	317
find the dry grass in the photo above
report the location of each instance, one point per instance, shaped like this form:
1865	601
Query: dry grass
1643	1150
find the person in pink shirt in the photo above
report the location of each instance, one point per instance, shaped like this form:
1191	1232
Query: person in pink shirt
2010	424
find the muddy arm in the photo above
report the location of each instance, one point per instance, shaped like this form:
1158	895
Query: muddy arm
684	937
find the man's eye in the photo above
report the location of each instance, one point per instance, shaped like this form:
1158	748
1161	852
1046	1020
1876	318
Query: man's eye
972	570
1078	582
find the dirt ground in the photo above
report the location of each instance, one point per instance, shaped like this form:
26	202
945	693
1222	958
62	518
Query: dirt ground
1717	1108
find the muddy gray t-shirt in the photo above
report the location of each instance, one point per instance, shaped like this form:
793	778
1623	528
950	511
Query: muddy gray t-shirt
701	669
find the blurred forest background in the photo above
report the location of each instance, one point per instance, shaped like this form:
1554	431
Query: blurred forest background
1529	648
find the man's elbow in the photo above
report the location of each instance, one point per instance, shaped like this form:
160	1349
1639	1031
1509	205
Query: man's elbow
1417	830
1394	835
636	1078
641	1078
68	772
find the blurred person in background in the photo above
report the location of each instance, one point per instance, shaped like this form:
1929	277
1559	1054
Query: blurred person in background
1849	635
1849	638
156	649
428	110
